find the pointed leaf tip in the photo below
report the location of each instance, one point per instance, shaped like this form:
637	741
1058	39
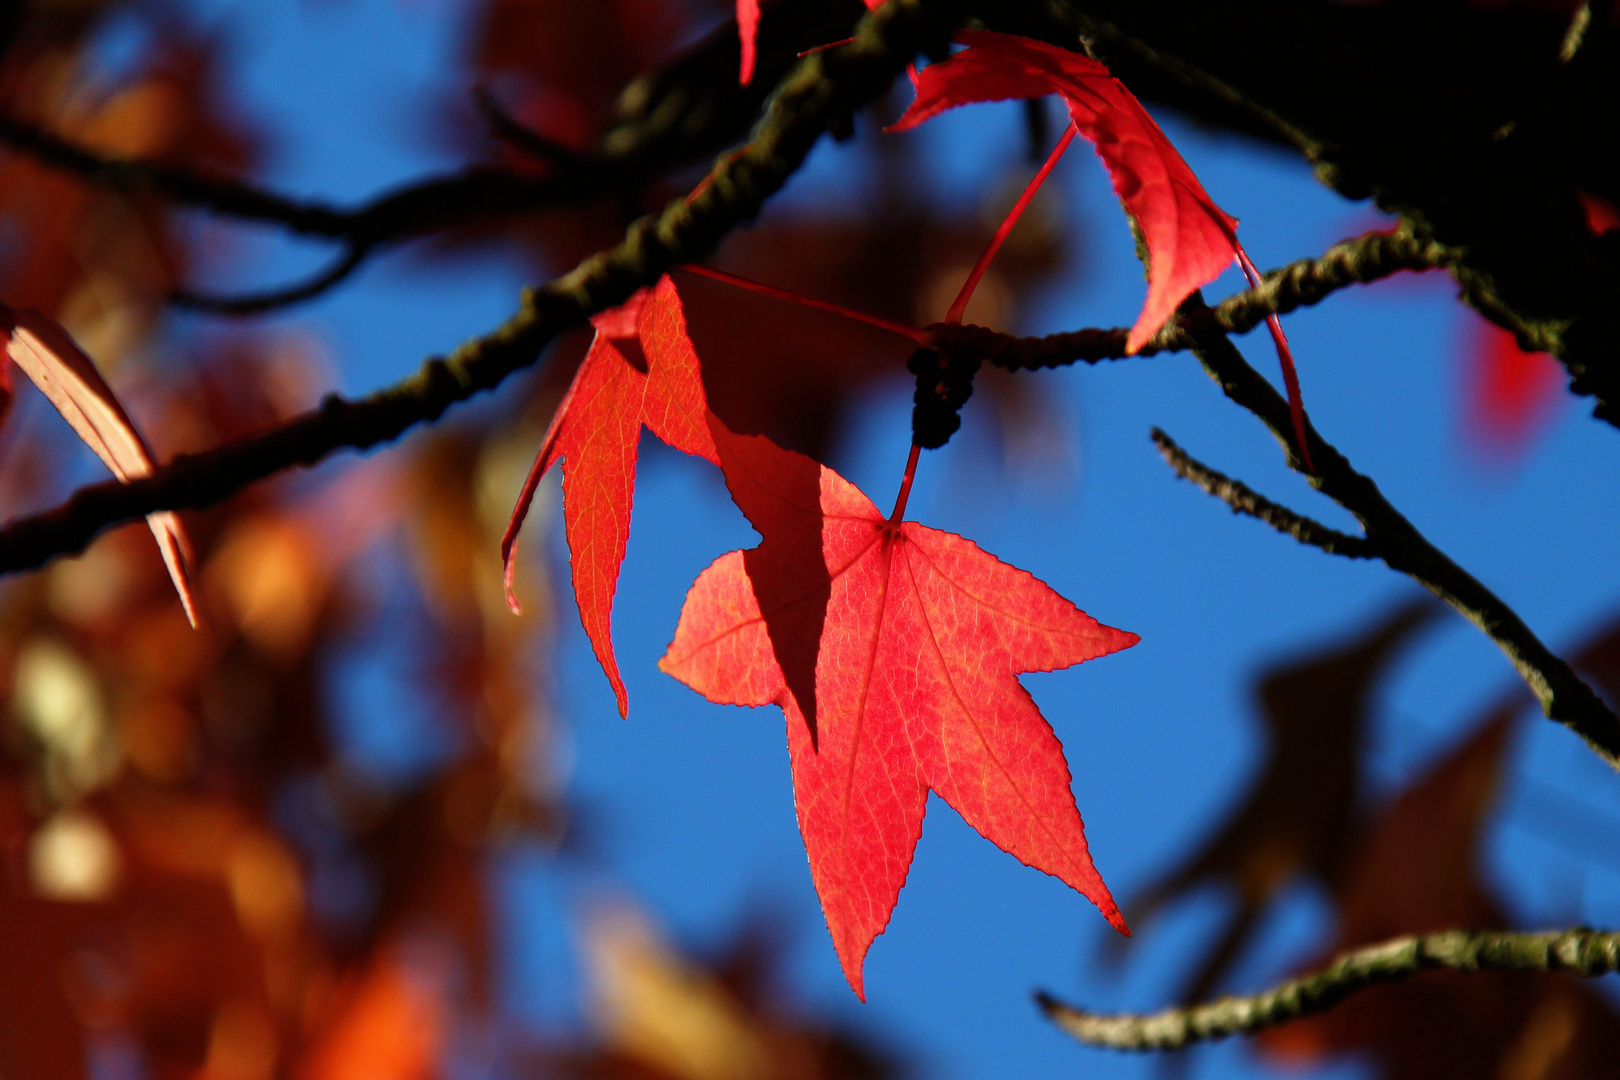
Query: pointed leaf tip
747	35
68	378
640	371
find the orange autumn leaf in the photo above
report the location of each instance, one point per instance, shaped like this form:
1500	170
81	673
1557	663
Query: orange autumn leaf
68	378
392	1025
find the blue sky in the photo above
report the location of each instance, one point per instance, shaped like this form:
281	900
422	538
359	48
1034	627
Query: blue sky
694	805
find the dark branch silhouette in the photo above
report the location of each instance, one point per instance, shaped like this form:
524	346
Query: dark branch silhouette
1580	952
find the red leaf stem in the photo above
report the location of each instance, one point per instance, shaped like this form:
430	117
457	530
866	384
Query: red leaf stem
905	486
919	336
1285	357
959	305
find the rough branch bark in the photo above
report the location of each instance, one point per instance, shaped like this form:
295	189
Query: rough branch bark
1303	283
1245	500
1581	952
1560	692
1458	117
193	481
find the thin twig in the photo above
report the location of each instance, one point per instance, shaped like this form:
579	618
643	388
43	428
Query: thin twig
668	119
218	195
505	127
1305	282
256	303
1245	500
1580	952
823	90
1561	693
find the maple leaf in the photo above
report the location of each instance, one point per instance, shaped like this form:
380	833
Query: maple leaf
68	378
894	650
1189	239
640	371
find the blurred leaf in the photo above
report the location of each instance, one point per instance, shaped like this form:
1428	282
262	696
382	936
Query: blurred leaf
1300	817
70	380
660	1016
1416	871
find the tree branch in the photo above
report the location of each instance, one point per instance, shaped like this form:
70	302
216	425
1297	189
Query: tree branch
1580	951
1561	693
1244	500
1463	121
1307	282
824	90
255	303
666	120
1303	283
505	127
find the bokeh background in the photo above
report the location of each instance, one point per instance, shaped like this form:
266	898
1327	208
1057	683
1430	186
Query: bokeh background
368	825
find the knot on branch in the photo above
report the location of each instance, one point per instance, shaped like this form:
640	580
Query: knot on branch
944	383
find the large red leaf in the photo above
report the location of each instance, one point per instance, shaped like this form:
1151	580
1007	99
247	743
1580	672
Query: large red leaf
894	650
66	376
640	371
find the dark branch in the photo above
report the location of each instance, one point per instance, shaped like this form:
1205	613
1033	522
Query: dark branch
255	303
1460	119
666	120
824	90
1581	952
1300	284
1307	282
1244	500
1561	693
505	127
228	198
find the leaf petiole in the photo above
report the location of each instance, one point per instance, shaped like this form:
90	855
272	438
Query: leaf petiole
959	305
1285	357
919	336
905	487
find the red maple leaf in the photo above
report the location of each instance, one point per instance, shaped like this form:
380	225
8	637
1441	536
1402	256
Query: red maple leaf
640	372
894	650
1189	239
